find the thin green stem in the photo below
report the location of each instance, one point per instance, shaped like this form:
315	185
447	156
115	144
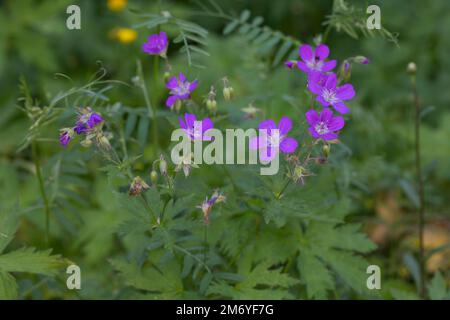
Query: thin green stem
37	164
420	187
280	194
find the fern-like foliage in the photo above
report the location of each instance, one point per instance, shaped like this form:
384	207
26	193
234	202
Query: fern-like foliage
352	19
270	43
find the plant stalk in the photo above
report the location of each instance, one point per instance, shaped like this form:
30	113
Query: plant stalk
37	164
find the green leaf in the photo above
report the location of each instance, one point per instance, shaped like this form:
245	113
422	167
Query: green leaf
30	260
230	27
410	192
437	289
315	274
8	286
282	52
244	16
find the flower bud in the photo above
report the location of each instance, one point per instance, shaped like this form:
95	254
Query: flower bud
154	176
86	143
211	105
104	142
412	68
166	76
326	150
361	60
162	165
227	93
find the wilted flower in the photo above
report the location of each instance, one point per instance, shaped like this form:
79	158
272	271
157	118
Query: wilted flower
314	60
196	131
270	141
156	44
65	136
298	174
250	111
207	205
324	125
325	86
180	89
137	186
186	164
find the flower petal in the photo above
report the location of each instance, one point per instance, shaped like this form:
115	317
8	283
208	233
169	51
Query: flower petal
306	52
312	117
322	51
182	77
326	115
207	124
267	125
330	82
303	67
190	119
336	123
259	142
329	136
314	133
172	83
322	101
170	101
193	85
346	92
341	107
182	123
288	145
285	125
329	65
268	154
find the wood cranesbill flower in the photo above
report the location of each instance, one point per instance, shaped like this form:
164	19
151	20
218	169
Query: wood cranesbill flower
272	139
180	89
324	125
65	136
315	60
328	93
196	129
156	44
87	121
208	204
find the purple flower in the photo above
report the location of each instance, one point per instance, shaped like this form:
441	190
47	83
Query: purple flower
180	89
272	139
324	125
314	60
290	64
156	44
325	86
195	129
65	136
87	121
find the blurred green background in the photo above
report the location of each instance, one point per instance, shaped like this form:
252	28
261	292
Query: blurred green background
35	44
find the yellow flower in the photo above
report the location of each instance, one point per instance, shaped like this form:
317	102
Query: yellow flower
117	5
125	35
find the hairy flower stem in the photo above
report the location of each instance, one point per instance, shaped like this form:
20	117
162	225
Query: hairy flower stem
151	108
420	186
280	194
37	164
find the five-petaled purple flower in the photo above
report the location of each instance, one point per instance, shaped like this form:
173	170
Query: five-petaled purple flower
314	60
196	129
180	89
272	139
156	44
328	93
324	125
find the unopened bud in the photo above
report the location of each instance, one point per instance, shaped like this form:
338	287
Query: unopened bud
326	150
154	176
361	60
162	165
211	105
166	76
412	68
178	105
